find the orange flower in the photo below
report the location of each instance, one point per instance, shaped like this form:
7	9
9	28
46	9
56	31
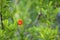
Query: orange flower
20	22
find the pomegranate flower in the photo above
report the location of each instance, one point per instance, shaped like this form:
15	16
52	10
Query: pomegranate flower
20	22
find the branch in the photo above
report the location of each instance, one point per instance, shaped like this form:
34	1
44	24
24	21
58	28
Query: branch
36	20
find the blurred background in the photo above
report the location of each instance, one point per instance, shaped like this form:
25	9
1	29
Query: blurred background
40	19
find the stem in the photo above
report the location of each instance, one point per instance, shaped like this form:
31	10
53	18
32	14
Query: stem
35	21
1	15
1	21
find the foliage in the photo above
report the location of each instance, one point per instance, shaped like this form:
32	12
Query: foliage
33	28
43	33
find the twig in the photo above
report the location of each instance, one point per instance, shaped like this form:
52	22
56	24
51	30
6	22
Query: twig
35	22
